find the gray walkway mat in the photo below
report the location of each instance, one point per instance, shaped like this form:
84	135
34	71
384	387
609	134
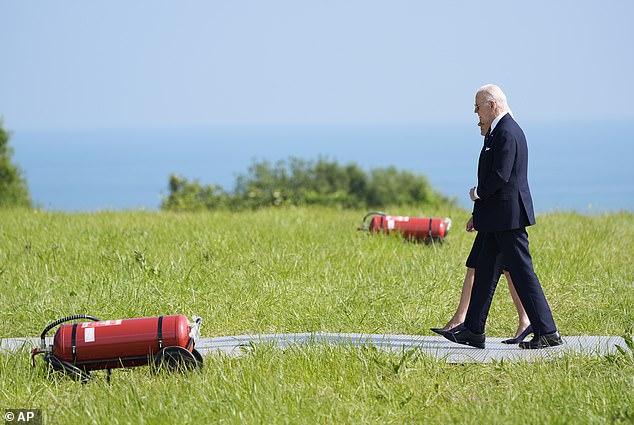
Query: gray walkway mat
434	346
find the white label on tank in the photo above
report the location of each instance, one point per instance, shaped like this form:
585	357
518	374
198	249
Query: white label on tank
89	335
390	224
101	323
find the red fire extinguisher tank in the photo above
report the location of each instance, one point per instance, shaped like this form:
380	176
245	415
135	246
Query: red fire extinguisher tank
110	344
418	228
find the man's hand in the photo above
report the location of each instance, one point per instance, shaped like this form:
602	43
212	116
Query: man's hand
470	227
472	194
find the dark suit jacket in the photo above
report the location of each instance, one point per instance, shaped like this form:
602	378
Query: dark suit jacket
505	200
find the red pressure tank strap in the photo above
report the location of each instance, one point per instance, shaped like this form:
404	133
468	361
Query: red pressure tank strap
160	332
74	342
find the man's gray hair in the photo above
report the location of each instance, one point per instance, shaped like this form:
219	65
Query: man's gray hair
493	92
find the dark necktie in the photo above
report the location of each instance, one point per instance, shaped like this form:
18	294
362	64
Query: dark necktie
487	138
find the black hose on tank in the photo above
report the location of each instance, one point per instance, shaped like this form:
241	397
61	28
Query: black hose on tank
62	320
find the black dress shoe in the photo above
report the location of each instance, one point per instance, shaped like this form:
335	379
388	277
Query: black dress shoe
520	337
461	335
548	340
441	331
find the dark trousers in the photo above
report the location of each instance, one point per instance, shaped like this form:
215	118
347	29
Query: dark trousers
516	257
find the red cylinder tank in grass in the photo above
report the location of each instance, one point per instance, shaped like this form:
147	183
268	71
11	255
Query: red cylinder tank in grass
416	228
78	348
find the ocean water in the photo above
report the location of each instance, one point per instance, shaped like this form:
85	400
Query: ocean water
585	168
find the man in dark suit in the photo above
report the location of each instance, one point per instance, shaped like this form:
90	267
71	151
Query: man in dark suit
503	208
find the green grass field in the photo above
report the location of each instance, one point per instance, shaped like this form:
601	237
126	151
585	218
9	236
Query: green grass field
303	270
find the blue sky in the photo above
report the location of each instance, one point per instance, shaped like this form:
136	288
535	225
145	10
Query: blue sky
201	64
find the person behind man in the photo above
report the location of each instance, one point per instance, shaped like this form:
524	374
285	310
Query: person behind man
524	328
503	208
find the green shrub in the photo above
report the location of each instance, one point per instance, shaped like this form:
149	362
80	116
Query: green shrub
14	191
303	182
192	196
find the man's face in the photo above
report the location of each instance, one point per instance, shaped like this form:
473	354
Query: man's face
484	111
